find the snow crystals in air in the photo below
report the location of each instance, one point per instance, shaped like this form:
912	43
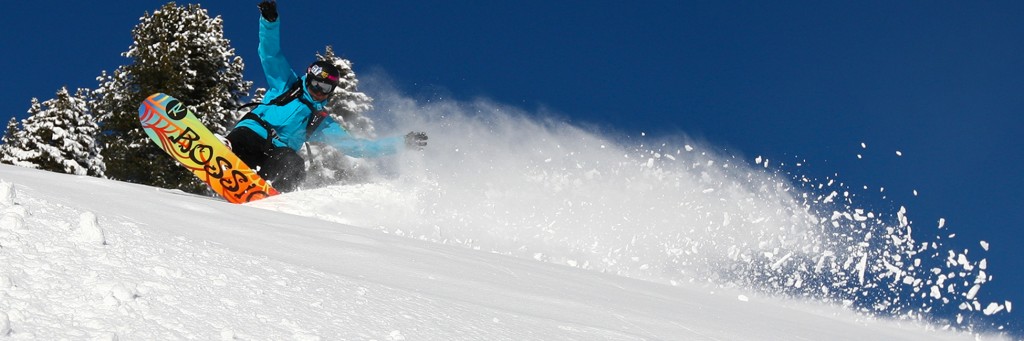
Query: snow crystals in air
993	308
698	217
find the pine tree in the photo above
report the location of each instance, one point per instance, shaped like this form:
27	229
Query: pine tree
18	145
9	138
326	164
58	136
88	153
12	128
12	151
180	51
347	105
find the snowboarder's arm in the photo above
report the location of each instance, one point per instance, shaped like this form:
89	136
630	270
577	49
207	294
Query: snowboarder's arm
279	74
333	134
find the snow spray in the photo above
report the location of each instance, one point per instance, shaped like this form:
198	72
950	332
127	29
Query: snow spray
673	210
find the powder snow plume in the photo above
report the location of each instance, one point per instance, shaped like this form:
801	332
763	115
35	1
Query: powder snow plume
499	179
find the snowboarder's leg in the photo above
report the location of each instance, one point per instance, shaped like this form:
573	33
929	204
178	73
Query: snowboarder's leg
250	147
284	168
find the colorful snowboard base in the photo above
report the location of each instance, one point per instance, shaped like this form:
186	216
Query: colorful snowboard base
178	131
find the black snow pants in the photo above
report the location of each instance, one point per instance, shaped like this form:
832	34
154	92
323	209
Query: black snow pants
282	166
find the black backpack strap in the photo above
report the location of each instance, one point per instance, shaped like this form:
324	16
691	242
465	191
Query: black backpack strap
271	132
315	118
294	92
250	105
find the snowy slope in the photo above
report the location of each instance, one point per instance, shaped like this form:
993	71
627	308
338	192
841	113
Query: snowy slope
85	258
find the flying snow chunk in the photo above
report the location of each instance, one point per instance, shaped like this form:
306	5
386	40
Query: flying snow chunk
984	245
993	308
864	145
743	298
688	148
935	292
862	268
971	294
899	153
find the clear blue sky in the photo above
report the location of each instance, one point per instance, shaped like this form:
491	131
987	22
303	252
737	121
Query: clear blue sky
939	81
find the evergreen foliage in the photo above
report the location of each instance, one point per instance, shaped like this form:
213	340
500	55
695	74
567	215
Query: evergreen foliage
59	136
16	149
348	104
180	51
10	138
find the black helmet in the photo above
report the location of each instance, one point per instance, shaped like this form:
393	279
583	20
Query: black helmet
323	77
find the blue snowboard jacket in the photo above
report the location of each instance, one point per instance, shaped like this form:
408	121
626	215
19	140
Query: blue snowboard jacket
289	120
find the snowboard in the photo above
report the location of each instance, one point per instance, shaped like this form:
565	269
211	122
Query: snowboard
176	130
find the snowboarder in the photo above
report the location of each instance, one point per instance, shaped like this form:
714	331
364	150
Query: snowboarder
270	136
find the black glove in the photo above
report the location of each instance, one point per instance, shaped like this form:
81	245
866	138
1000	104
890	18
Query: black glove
268	8
416	140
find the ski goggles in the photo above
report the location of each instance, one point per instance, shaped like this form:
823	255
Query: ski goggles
321	87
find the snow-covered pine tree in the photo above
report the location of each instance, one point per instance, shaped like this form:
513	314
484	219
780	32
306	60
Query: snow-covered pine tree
348	104
58	136
19	146
9	138
328	165
90	154
180	51
14	150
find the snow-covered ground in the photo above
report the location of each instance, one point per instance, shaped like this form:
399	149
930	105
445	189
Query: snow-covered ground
86	258
509	226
